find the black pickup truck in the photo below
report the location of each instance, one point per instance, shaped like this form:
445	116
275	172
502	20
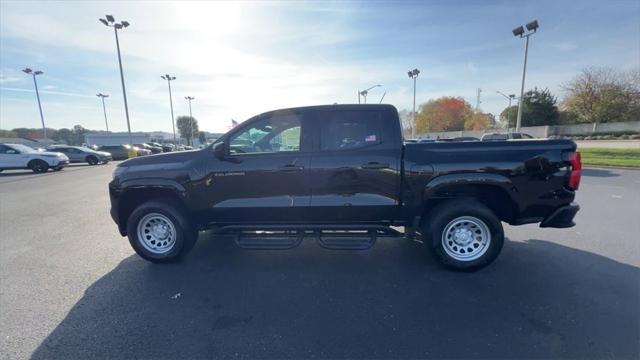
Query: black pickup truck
341	174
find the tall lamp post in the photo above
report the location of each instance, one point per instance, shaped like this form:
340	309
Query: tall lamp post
532	27
365	92
173	123
189	98
509	97
104	109
35	83
413	74
110	21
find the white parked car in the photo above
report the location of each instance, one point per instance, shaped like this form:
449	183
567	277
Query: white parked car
17	156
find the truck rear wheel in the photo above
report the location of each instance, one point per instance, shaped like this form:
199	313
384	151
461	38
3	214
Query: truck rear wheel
463	234
160	232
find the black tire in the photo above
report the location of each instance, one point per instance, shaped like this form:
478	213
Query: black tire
92	160
57	168
185	233
481	220
38	166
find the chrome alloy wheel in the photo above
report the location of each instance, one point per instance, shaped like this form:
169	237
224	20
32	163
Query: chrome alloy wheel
156	233
466	238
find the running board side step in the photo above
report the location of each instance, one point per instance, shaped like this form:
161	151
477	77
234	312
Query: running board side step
335	237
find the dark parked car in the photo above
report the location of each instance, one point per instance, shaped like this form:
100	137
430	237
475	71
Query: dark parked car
153	149
342	175
118	152
77	154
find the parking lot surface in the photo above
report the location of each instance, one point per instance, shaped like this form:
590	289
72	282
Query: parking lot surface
72	288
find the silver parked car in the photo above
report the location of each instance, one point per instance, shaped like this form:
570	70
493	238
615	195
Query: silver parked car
77	154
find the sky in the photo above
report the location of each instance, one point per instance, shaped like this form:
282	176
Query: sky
239	59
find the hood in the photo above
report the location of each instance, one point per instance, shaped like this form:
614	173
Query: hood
164	158
50	153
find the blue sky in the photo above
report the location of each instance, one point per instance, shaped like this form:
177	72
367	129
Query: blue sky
243	58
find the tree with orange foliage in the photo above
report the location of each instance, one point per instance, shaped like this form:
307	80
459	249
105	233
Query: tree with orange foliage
443	114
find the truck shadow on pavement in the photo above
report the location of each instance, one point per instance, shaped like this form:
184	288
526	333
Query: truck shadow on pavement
538	300
598	172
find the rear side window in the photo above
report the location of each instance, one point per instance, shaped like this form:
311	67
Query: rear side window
344	130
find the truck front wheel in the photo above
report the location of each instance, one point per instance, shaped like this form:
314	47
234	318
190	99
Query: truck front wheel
160	232
463	234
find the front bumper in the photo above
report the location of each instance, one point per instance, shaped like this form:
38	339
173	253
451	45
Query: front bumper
114	196
62	164
562	217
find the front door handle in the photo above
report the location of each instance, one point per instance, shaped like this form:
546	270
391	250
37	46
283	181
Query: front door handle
375	165
291	167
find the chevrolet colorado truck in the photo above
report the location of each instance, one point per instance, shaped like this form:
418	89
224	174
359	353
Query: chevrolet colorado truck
343	175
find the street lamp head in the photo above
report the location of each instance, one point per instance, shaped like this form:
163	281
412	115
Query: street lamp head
110	18
38	72
104	21
117	26
513	96
125	24
27	71
533	26
519	31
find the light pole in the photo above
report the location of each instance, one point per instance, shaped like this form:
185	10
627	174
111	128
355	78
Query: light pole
413	74
532	27
365	92
189	98
104	109
508	97
111	22
169	78
35	83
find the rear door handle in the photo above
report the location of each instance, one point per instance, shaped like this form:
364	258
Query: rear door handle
291	167
375	165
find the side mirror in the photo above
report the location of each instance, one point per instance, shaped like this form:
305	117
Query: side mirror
220	150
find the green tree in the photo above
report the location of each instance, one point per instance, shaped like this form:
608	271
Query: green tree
603	95
188	127
538	108
7	134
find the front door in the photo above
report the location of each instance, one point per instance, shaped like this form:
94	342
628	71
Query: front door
265	177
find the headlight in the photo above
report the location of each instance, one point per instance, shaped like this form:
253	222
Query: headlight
119	170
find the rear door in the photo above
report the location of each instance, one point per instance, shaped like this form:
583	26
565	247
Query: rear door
355	167
266	177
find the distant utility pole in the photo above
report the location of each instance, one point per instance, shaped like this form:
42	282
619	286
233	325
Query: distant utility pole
413	74
478	101
173	122
104	109
35	83
189	98
532	27
110	21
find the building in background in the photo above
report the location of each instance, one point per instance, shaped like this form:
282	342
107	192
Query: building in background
115	138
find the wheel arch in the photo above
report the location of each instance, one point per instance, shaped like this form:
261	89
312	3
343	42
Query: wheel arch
495	191
133	196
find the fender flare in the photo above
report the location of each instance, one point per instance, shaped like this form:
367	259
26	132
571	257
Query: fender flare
438	183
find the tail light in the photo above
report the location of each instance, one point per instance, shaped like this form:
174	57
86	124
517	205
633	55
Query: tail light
576	167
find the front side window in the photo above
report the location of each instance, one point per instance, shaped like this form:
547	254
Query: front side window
344	130
280	133
4	149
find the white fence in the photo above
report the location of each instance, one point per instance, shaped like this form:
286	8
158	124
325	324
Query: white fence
546	131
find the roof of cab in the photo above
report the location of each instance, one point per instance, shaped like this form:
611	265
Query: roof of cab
332	107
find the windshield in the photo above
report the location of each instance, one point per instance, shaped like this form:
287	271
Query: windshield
23	148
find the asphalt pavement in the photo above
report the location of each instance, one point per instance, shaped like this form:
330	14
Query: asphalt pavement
72	288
